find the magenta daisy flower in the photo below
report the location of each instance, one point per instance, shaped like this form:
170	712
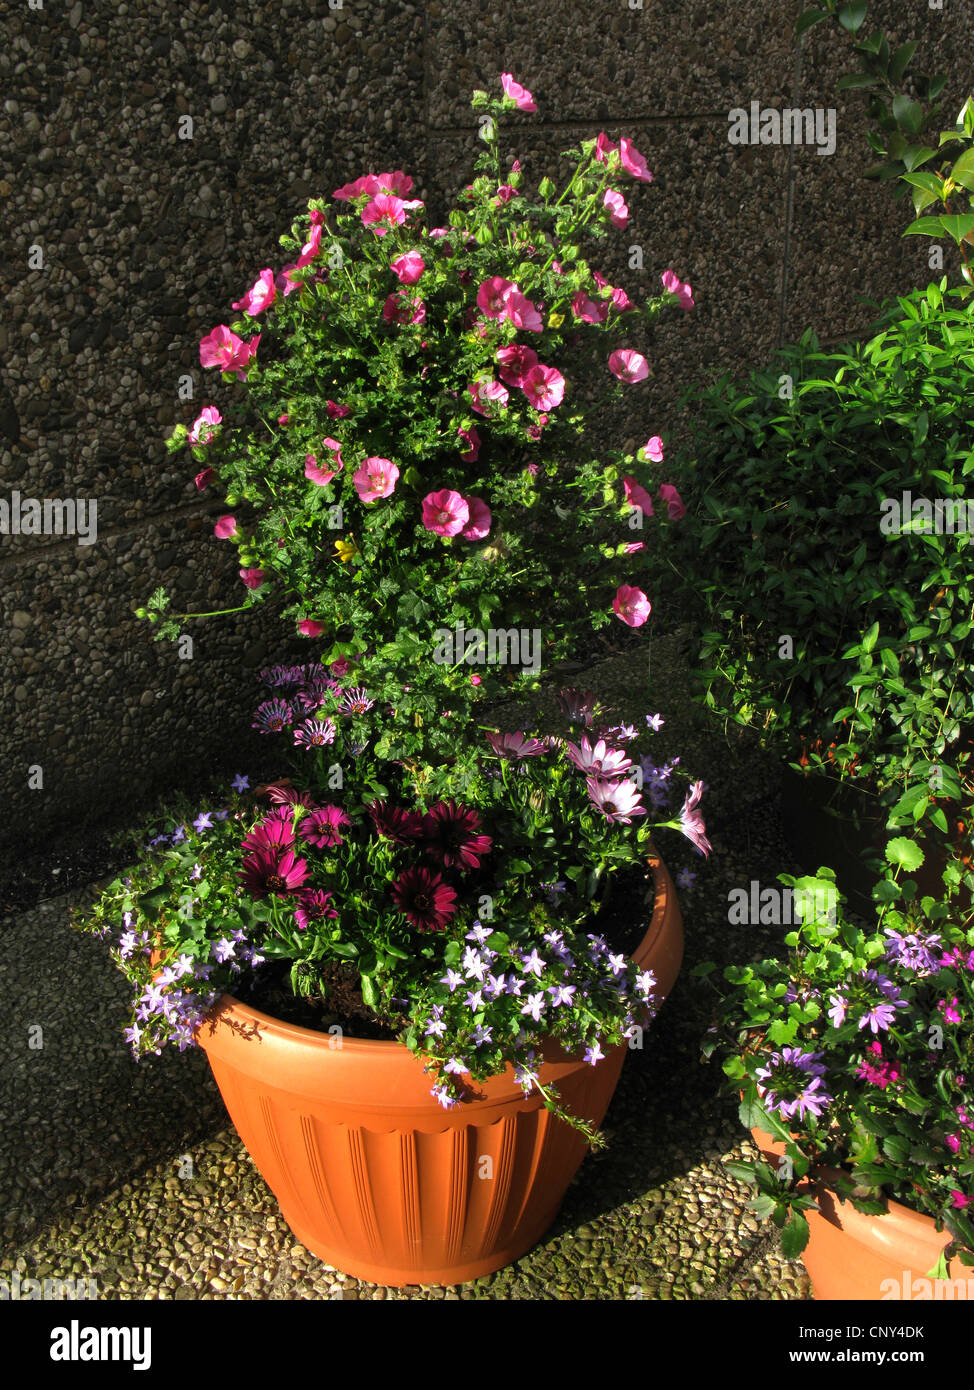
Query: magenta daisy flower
323	826
426	900
692	822
273	716
515	745
315	733
598	761
355	701
451	835
272	835
618	801
273	872
284	794
314	905
402	827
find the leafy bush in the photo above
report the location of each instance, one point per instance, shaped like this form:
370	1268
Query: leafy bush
856	1050
840	640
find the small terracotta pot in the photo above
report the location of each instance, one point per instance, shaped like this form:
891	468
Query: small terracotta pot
373	1175
853	1256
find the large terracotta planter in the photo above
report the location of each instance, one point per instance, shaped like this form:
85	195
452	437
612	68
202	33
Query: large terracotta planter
851	1256
373	1176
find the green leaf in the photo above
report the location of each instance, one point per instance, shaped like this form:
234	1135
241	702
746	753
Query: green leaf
854	82
794	1236
963	170
904	853
908	114
901	60
807	19
852	17
369	992
870	638
958	227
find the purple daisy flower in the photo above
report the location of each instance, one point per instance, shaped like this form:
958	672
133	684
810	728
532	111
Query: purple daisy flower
315	733
273	716
355	701
618	801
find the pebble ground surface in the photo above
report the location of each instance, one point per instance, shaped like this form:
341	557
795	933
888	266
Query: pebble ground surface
131	1174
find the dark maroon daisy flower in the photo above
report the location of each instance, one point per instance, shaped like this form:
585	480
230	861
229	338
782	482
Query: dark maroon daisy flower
314	905
270	871
452	835
402	827
578	706
323	826
427	901
282	793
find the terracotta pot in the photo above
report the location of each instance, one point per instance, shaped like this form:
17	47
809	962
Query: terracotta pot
853	1256
373	1175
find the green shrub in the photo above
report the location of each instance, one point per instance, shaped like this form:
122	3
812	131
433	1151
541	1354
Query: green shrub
842	641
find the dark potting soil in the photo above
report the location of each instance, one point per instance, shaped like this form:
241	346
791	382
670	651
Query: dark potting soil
623	921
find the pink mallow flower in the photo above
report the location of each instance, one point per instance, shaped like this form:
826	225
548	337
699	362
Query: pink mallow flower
544	387
225	350
618	212
522	313
204	426
261	294
225	528
637	496
492	296
621	301
311	247
375	478
588	310
514	362
336	411
652	450
604	147
521	97
480	520
633	162
445	512
408	267
310	627
504	194
673	285
204	479
252	578
631	605
402	307
628	366
673	500
485	394
472	439
315	473
383	213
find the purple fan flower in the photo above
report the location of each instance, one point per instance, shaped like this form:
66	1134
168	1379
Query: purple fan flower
913	951
795	1083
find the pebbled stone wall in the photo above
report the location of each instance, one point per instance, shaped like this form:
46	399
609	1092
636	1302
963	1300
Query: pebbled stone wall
123	244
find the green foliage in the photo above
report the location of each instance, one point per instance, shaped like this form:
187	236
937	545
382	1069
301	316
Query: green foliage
791	535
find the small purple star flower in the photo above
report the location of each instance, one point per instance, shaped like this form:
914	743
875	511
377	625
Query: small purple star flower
240	783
